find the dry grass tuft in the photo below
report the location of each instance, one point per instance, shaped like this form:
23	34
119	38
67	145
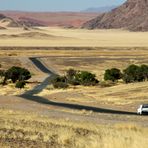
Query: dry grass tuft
31	130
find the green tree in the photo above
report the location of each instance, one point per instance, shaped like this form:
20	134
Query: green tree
112	74
86	78
133	73
17	74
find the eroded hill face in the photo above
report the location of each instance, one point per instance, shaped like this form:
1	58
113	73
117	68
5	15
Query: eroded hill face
8	22
132	15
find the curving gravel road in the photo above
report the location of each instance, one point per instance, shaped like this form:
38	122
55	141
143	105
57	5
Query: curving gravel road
29	95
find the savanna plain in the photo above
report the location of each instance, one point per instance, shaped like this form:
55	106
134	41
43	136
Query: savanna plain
102	116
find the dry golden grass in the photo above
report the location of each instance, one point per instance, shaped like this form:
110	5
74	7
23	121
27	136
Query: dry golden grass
31	130
120	95
77	38
10	90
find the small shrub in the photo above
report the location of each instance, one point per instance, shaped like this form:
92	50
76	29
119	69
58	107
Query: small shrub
20	84
60	85
60	79
60	82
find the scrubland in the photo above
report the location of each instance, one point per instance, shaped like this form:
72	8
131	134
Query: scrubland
95	60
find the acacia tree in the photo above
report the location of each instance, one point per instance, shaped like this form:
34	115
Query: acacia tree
86	78
112	74
134	73
17	74
77	77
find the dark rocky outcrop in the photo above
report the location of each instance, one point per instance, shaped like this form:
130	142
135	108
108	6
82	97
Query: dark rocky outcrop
2	16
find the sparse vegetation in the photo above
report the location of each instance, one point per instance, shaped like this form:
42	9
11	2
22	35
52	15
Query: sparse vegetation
75	77
133	73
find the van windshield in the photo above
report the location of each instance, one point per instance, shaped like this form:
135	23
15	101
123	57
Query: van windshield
145	106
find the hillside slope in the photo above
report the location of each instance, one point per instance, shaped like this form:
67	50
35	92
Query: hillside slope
6	21
132	15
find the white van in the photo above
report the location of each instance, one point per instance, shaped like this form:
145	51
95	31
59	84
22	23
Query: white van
143	109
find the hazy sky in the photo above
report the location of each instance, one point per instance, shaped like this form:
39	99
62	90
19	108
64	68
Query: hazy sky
55	5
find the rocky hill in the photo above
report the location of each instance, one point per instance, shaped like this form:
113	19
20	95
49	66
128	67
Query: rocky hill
132	15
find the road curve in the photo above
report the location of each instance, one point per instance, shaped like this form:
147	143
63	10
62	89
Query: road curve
29	95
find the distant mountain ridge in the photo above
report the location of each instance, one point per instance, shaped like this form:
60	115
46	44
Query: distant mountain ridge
63	19
100	9
132	15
